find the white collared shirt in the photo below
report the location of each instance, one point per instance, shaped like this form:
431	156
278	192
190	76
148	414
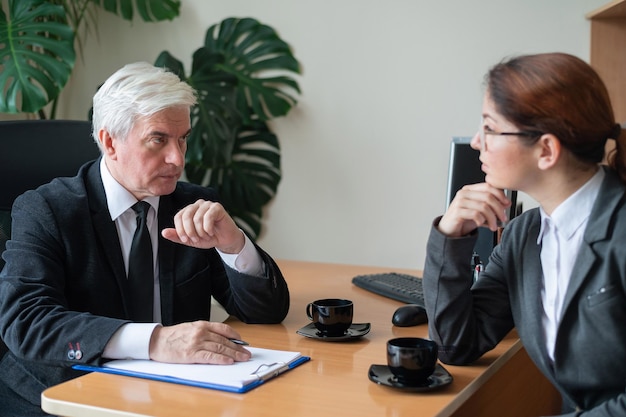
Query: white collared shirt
132	340
560	237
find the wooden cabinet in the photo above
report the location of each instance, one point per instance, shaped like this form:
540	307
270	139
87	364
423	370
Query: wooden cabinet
608	52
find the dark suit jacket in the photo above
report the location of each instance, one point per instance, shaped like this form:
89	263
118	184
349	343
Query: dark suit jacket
64	285
590	352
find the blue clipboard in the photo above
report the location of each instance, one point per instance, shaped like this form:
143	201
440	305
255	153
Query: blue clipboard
273	371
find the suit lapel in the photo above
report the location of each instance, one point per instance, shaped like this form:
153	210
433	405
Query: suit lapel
532	277
597	229
585	260
105	230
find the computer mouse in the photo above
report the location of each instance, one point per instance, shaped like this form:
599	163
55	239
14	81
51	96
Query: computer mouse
409	315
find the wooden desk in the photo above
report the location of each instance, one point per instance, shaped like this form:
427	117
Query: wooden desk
334	382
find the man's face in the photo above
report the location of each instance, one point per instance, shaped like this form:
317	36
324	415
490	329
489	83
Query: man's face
151	159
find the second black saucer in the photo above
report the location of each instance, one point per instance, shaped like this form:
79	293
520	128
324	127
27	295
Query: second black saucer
355	331
381	374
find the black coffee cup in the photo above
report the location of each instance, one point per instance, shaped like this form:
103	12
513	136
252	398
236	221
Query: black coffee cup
411	359
331	316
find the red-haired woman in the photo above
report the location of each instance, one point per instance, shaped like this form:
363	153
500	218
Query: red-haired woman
558	274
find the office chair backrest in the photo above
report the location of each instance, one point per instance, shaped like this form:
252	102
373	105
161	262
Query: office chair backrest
34	152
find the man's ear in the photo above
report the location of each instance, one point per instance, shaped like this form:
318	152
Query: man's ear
549	151
107	143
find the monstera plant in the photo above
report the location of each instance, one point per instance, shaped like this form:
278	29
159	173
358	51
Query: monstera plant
244	77
38	40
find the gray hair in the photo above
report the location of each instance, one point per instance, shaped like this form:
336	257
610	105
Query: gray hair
137	90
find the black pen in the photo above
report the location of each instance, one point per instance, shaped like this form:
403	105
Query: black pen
239	342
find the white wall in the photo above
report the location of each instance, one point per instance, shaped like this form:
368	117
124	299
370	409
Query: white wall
386	85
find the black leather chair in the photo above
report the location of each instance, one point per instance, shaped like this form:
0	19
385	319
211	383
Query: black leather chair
32	153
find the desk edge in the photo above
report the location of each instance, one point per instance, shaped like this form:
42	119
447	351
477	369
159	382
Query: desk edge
477	384
60	408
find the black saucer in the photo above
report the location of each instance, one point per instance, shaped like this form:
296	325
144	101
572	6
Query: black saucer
356	330
381	374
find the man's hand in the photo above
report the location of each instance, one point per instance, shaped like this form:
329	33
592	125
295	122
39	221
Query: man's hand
205	225
197	342
473	206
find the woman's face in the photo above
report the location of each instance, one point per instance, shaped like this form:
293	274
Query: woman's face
506	161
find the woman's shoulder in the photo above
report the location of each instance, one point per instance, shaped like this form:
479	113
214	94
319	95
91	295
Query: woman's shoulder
525	219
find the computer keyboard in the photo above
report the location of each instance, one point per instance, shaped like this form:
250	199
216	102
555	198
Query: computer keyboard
401	287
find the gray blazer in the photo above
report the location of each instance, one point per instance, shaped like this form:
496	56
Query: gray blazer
63	289
590	353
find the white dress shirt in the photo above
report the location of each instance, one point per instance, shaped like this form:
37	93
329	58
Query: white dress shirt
132	340
560	237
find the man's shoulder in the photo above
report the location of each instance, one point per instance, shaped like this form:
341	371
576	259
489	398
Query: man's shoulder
63	188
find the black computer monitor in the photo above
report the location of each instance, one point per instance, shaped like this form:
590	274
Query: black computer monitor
463	169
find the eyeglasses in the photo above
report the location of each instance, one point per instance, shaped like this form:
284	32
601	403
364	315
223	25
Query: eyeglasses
483	134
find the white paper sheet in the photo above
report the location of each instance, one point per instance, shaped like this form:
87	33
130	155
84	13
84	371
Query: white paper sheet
264	364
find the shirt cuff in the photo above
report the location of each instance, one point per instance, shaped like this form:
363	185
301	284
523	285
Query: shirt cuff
131	341
248	261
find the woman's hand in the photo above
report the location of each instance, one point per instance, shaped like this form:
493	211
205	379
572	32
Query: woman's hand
473	206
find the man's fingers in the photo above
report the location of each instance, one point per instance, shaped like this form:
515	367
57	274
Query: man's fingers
197	342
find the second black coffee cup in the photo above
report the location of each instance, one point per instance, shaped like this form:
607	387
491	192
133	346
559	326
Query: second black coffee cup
411	359
331	316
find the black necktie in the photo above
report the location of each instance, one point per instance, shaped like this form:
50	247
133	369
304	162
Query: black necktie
140	268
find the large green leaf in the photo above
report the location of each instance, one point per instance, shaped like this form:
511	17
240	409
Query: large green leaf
261	61
37	44
37	55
